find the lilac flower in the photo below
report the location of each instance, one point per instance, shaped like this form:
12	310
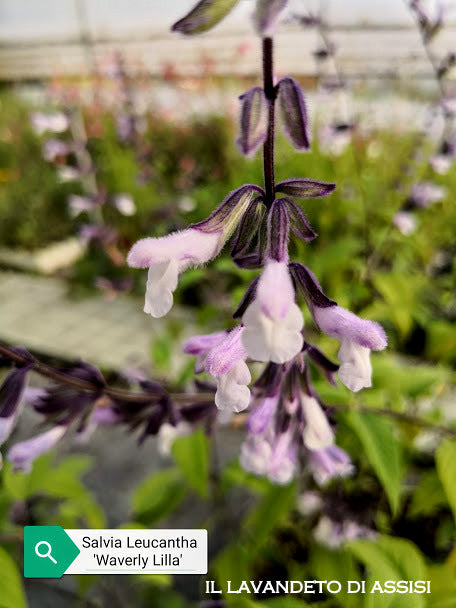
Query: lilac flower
273	321
424	194
267	15
328	463
168	256
405	222
79	204
334	534
226	363
22	454
268	455
358	337
53	148
309	503
201	345
317	432
125	204
68	174
57	122
334	139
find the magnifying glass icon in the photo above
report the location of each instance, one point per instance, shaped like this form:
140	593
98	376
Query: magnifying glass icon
47	548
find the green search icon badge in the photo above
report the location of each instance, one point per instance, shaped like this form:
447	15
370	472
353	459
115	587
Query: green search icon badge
48	551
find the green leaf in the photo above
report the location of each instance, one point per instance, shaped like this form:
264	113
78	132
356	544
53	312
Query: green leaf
383	452
11	594
232	564
446	469
204	16
191	454
273	509
390	559
158	496
335	565
428	497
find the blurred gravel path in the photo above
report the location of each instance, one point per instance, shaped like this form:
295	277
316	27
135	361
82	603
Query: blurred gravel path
37	313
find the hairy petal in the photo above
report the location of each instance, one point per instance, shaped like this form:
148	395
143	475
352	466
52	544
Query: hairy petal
275	293
226	353
22	454
317	433
342	324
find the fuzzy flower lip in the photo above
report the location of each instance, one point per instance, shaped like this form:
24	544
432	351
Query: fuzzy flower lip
355	370
226	353
189	247
342	324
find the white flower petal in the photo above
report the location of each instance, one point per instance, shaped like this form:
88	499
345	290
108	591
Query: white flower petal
355	370
161	282
232	392
317	433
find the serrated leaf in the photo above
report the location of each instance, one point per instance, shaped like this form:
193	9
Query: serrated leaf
158	496
204	16
446	469
11	592
191	454
383	452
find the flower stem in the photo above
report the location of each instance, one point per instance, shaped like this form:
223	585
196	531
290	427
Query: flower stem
270	93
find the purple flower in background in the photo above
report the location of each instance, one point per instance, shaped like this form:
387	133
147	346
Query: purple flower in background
79	204
262	415
424	194
22	454
334	534
125	204
328	463
53	148
68	174
334	139
405	222
56	122
358	337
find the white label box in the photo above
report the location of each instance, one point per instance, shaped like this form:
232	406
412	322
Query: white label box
139	552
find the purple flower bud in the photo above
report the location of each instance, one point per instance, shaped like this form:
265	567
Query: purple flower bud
278	231
231	208
300	225
248	226
308	286
253	121
342	324
267	14
204	16
11	392
53	148
293	111
303	187
329	463
424	194
22	454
